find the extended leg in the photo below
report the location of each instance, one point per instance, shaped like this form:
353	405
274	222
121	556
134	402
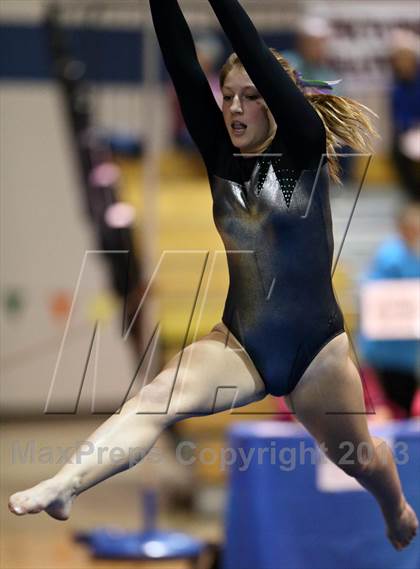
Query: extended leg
186	387
328	400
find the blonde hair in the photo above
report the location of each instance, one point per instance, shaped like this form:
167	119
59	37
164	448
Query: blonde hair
346	121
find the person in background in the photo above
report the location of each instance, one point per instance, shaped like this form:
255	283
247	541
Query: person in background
405	109
311	59
311	54
396	362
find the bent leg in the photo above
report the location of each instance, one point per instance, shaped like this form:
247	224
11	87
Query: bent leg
328	401
188	385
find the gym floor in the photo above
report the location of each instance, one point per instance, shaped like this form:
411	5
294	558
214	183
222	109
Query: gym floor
40	542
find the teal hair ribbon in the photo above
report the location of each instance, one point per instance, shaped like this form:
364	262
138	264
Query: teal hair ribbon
315	84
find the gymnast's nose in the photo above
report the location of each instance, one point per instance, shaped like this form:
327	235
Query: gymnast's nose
236	106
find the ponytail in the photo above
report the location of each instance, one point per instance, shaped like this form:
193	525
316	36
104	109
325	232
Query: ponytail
347	123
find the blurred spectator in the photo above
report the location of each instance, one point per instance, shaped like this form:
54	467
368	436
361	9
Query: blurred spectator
405	109
209	52
311	58
311	55
396	362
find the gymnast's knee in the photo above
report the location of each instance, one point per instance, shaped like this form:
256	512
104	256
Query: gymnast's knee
154	401
170	400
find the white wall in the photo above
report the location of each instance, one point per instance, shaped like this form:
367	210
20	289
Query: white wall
44	233
44	237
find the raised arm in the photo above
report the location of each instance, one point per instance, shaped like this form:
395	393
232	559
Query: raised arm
201	113
298	124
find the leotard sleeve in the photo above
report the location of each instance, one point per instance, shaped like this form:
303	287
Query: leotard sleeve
201	113
298	125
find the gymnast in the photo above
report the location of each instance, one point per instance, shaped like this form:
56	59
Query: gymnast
269	155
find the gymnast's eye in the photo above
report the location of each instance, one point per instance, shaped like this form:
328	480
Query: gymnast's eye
252	97
227	97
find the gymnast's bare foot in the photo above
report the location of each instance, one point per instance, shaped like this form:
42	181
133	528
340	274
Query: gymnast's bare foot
402	530
51	496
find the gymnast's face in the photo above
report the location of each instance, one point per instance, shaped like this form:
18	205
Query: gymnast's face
246	116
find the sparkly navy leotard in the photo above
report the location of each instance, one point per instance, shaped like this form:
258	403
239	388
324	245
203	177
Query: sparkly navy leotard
273	211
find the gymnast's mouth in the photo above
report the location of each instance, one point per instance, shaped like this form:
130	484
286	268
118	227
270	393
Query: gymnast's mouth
238	127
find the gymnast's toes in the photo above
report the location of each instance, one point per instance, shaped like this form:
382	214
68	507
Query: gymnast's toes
34	500
405	529
20	504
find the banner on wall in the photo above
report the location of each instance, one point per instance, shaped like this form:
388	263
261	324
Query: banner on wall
361	40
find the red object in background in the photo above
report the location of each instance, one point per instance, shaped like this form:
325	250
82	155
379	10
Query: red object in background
374	400
415	408
60	304
373	393
283	412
